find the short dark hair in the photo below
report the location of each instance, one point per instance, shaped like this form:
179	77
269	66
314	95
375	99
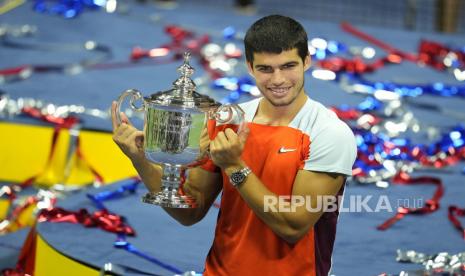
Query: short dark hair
274	34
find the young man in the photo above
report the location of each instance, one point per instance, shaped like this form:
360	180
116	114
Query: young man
294	148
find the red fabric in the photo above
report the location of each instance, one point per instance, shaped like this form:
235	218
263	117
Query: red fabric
26	259
102	219
453	211
431	205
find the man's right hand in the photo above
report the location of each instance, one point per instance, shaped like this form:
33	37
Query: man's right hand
129	139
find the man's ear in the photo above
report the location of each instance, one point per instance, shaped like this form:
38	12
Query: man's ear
307	62
250	69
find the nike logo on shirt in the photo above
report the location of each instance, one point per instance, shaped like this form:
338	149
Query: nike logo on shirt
284	150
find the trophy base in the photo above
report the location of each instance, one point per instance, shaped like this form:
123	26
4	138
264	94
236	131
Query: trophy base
169	200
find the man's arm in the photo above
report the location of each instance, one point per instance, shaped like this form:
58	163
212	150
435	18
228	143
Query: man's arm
226	152
203	185
294	224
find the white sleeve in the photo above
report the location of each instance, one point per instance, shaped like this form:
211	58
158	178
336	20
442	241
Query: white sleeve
333	149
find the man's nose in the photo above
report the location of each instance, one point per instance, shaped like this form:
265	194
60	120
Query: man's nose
277	78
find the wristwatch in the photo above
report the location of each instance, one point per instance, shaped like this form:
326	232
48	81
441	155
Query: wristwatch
238	177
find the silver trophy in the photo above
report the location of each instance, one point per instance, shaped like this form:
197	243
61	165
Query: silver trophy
173	122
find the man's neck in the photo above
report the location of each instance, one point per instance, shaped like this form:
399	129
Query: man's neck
268	114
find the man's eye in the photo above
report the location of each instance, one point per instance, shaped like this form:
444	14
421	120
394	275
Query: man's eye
288	66
265	70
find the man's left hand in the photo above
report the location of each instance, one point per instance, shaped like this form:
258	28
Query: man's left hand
226	148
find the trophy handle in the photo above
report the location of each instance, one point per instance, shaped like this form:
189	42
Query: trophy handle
231	114
135	96
220	118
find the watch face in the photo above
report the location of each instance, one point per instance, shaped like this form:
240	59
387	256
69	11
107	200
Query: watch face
237	177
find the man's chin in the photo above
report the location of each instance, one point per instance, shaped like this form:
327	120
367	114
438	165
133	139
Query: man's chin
281	102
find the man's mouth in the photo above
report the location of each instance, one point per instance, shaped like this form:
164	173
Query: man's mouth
279	91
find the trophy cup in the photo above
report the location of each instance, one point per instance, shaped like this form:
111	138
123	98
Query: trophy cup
173	122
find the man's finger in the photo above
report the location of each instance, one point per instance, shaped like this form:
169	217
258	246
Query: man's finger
230	135
213	146
113	116
125	119
123	131
221	140
204	134
243	134
138	137
130	130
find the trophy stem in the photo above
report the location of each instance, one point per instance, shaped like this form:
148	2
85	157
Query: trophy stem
171	196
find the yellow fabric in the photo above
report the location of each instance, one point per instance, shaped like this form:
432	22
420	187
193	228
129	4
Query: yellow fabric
8	5
50	262
26	218
25	150
4	205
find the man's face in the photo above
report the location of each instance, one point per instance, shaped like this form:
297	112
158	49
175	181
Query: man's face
279	77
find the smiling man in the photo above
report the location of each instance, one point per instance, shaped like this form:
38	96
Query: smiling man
295	149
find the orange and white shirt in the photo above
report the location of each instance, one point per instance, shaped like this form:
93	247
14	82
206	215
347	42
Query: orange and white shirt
315	140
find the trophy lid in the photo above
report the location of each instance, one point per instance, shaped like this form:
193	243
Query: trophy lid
183	95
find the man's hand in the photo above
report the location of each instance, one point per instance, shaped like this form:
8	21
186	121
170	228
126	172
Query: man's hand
226	148
203	185
127	137
204	144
